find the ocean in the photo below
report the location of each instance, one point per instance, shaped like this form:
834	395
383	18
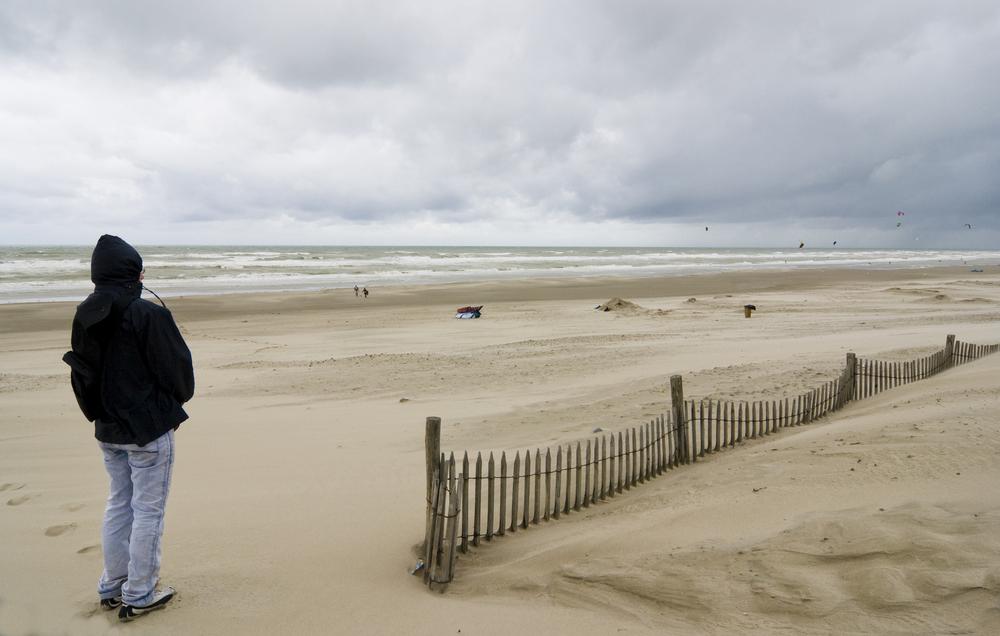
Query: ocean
39	274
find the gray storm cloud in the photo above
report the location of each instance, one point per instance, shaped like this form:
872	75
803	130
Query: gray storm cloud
766	115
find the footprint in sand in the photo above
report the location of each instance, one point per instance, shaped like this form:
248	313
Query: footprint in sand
73	507
55	531
17	501
12	486
87	549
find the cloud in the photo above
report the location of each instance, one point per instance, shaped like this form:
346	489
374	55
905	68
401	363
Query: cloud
464	117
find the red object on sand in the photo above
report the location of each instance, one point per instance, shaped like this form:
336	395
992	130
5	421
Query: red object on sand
468	309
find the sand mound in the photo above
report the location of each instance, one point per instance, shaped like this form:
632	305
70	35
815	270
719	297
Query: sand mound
906	561
620	305
915	568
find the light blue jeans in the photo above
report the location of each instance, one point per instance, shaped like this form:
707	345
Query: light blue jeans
133	519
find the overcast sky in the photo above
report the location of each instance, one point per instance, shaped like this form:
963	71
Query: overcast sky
485	123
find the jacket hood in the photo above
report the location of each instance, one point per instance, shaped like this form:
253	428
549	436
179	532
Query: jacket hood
115	262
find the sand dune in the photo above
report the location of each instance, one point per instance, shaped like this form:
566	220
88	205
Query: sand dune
298	491
881	519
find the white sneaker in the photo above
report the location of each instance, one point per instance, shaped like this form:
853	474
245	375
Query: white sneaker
160	600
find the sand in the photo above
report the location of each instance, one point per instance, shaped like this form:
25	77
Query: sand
298	488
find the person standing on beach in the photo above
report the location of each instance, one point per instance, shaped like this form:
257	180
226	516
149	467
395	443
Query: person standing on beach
365	291
131	372
355	291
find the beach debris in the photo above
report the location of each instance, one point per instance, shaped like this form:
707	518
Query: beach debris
760	489
692	300
402	400
598	429
747	309
468	311
417	567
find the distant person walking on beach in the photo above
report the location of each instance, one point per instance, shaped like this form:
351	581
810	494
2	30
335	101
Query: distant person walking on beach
365	292
355	290
131	373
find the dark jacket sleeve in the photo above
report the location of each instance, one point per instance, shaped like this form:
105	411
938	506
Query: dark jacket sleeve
167	355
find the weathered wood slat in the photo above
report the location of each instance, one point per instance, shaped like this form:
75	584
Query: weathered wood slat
732	424
478	513
526	519
646	451
568	504
448	556
633	476
657	454
465	502
692	432
441	514
622	454
739	423
664	440
454	513
652	441
490	497
548	483
612	468
433	565
641	457
430	543
515	491
538	486
718	426
627	482
503	494
701	428
579	478
602	491
557	508
586	478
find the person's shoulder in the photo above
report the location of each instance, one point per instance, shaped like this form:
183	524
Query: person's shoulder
140	307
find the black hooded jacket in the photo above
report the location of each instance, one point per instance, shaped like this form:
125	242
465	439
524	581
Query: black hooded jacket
131	370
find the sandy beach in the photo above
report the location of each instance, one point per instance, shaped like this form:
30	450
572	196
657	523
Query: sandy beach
298	490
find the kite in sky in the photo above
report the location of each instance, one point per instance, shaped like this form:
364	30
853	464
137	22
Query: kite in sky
968	225
801	244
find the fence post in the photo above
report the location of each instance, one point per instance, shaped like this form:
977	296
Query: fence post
852	377
677	404
432	447
949	350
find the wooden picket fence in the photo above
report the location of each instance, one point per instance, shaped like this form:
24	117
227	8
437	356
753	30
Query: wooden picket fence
539	486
